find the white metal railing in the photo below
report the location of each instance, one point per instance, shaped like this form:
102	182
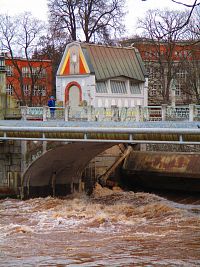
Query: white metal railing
137	113
152	113
177	113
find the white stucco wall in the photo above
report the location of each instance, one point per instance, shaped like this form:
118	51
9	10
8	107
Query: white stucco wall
122	100
87	83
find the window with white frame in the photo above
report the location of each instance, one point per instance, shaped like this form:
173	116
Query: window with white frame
178	89
35	71
155	72
26	89
43	90
43	73
9	89
155	89
181	77
101	88
9	70
135	88
26	72
118	87
39	90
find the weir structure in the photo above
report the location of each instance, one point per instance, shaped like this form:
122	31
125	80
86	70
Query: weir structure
59	170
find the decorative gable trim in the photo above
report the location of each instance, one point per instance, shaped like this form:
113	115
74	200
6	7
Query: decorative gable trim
83	66
65	70
73	61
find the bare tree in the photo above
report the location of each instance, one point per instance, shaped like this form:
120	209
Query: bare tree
194	26
51	46
19	37
63	16
191	66
96	20
158	27
190	63
192	7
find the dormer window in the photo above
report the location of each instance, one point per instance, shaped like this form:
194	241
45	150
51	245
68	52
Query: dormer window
135	88
101	88
118	87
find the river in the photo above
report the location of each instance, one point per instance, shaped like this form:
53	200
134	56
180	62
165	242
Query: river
109	228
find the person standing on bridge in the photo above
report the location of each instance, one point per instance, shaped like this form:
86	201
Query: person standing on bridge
51	105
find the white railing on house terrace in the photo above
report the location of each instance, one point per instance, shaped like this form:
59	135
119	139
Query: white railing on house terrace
138	113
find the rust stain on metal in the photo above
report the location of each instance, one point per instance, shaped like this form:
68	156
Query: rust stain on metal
166	162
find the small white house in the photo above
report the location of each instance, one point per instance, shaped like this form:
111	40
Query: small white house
101	76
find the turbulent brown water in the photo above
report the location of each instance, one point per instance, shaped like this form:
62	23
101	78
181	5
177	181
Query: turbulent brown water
110	228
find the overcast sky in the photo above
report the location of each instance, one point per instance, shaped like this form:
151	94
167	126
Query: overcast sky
136	8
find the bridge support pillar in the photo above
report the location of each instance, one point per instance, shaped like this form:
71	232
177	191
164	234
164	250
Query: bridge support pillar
23	158
23	163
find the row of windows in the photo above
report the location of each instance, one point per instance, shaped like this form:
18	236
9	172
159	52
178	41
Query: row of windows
153	54
117	87
26	72
39	90
156	88
154	72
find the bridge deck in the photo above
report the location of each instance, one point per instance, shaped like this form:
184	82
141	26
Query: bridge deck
125	124
135	132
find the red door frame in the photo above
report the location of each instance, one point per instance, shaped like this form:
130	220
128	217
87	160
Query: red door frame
68	88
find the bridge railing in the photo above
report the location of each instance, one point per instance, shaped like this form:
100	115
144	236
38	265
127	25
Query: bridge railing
196	112
137	113
152	113
179	113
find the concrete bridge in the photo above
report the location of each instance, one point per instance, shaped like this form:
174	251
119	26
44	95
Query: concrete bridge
112	132
60	169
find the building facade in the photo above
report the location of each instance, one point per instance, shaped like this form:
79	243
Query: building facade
28	81
101	76
173	70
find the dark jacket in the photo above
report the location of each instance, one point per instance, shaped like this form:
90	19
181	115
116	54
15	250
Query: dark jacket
51	103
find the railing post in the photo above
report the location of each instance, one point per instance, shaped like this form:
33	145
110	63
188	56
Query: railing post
164	112
191	112
24	112
66	113
115	113
138	113
89	112
45	109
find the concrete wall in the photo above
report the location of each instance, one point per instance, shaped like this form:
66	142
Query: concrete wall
10	166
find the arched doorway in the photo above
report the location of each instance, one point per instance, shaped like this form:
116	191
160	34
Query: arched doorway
73	94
